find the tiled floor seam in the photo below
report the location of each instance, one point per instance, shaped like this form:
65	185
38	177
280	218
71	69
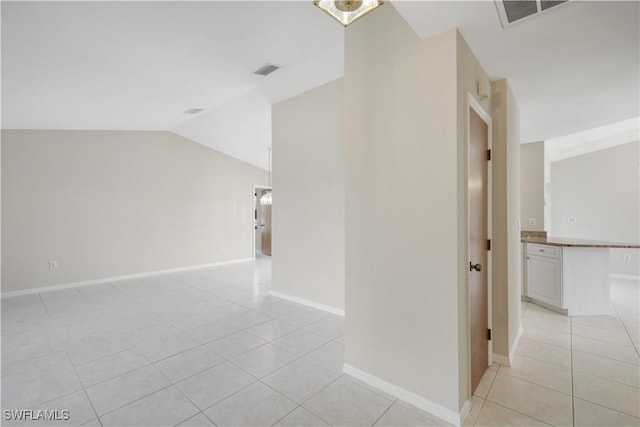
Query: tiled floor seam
237	391
315	394
606	407
110	378
573	406
287	414
230	395
182	393
485	399
484	402
606	378
515	410
385	411
84	390
530	382
136	400
605	357
604	341
544	361
624	325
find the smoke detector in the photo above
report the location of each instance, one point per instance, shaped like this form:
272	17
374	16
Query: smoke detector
512	11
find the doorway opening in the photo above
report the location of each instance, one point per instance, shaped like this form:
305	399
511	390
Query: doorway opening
479	137
261	221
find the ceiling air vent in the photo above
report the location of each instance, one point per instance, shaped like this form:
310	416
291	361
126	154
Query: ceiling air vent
193	111
512	11
266	70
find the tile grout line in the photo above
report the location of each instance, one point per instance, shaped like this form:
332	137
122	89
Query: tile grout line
609	379
384	412
150	362
542	342
75	372
516	411
606	407
248	373
608	358
136	400
288	413
545	361
484	402
624	325
573	397
230	302
172	384
487	399
317	393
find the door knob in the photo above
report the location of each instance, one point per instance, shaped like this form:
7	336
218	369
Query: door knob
476	267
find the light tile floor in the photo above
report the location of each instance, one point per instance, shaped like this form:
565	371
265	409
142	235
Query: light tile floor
210	347
580	370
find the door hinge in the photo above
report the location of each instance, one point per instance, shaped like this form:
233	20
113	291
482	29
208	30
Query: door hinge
488	244
488	154
489	334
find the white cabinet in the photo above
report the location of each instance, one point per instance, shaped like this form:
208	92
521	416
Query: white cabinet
569	279
544	274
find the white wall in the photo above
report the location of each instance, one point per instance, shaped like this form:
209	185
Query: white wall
468	74
506	214
406	242
532	185
245	122
401	238
308	194
547	188
111	203
602	191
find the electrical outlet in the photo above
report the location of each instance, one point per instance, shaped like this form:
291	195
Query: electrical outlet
572	220
627	257
532	221
53	265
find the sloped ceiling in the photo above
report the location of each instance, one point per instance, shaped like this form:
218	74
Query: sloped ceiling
140	65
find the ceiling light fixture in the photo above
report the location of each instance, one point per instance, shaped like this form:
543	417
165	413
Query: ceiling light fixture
347	11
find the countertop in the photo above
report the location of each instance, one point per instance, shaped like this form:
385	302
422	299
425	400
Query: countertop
578	243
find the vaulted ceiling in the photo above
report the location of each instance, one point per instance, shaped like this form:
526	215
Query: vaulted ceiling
140	65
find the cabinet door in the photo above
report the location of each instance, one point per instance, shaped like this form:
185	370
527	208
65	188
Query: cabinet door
544	279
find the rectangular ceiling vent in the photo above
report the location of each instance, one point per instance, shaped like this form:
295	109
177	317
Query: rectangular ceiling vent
266	70
512	11
193	111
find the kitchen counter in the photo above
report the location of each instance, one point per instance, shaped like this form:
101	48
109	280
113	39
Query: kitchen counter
577	243
568	275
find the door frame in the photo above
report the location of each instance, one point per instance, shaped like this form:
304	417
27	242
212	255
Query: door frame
254	202
473	103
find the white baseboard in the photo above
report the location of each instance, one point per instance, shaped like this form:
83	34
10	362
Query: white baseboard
327	308
516	341
503	360
466	408
11	294
420	402
624	276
